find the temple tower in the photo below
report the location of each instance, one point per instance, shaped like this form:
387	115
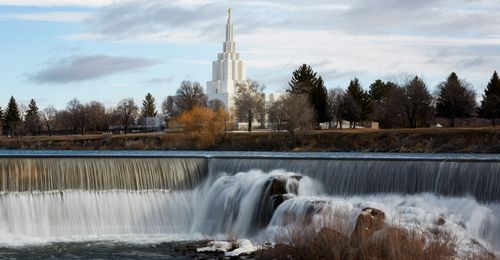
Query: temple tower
227	71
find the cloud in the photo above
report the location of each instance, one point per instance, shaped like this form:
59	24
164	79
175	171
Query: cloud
83	68
90	3
195	21
430	17
159	80
72	17
161	20
340	37
151	17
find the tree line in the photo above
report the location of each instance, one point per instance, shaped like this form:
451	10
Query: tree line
407	104
95	117
306	104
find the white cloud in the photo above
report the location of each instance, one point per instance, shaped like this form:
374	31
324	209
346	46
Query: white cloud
82	68
72	17
430	37
90	3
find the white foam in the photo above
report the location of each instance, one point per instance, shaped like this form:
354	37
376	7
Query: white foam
224	204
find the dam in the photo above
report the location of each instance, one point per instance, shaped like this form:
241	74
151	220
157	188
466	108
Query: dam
67	196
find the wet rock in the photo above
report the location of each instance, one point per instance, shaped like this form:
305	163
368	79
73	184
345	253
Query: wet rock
368	222
440	221
274	193
277	187
462	224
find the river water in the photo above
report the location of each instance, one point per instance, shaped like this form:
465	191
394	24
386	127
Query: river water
65	204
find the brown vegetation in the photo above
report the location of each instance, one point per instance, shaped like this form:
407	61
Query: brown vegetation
202	126
435	140
371	239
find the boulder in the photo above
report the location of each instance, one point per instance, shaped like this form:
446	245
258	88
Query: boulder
277	187
274	193
440	221
368	222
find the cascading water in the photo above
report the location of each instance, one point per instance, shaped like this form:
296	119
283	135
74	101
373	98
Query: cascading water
56	174
75	199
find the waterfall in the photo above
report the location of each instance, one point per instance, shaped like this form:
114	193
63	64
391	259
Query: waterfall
56	174
361	177
94	213
53	199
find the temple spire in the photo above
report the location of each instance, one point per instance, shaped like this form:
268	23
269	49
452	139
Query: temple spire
229	26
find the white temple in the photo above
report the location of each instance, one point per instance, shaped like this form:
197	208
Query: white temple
227	71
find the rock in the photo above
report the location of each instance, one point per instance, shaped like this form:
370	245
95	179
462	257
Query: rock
274	193
277	187
440	221
369	221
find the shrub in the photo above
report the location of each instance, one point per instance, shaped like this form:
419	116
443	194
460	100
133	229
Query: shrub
202	126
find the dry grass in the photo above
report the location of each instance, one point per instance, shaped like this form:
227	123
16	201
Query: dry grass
393	242
482	140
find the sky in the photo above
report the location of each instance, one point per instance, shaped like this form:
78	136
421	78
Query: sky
106	50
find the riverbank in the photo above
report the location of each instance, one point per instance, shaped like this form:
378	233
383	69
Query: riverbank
429	140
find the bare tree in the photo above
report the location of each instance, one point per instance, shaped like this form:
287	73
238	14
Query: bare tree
189	95
63	120
299	114
335	105
277	116
169	109
78	116
216	104
96	116
127	112
49	118
249	102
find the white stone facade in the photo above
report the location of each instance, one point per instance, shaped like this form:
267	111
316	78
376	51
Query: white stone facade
227	71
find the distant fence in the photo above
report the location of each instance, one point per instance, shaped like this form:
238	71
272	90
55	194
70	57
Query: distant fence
87	132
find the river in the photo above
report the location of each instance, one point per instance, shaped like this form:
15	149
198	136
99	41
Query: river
67	203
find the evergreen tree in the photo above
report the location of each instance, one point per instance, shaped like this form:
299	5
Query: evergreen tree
32	118
490	105
382	95
380	90
12	117
303	80
148	106
350	110
318	97
417	103
361	98
455	99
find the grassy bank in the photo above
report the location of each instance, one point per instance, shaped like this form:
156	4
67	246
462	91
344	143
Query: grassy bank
466	140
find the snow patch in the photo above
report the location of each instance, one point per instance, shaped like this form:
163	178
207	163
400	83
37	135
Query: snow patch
243	247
